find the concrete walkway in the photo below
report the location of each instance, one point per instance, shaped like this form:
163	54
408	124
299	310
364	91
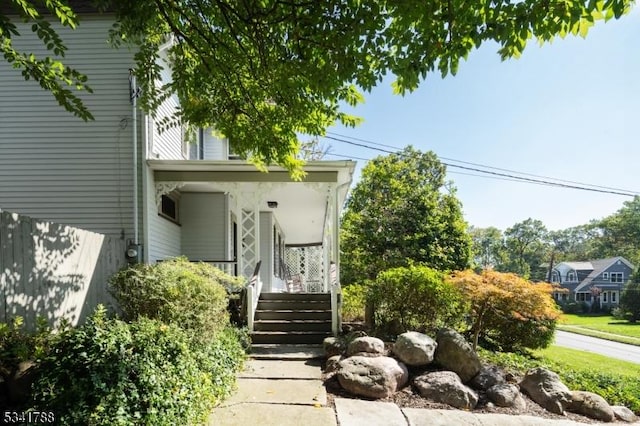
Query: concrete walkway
284	388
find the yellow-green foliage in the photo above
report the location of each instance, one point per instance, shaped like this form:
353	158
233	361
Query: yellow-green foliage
507	310
354	298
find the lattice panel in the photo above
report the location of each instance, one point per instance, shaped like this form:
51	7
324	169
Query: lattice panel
249	243
308	263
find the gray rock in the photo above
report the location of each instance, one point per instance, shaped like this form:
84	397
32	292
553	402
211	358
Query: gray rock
506	395
372	345
489	375
546	389
333	346
456	354
377	377
591	405
415	349
332	363
624	414
447	388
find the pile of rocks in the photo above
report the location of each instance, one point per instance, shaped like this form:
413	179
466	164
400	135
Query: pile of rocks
448	370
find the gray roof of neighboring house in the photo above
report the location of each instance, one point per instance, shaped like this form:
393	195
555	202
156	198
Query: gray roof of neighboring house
579	266
598	267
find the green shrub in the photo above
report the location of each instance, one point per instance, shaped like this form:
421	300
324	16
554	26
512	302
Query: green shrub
414	298
145	372
190	295
354	298
575	307
630	300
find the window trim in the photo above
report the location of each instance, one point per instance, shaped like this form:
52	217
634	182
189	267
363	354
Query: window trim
176	201
605	276
617	274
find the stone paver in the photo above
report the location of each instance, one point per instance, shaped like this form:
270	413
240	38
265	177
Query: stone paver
355	412
246	414
286	391
279	369
287	352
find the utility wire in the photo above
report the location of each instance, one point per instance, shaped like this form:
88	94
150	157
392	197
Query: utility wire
489	167
593	188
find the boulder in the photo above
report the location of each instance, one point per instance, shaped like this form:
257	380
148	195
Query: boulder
447	388
368	344
377	377
18	384
489	375
506	395
624	414
333	346
546	389
415	349
591	405
456	354
332	363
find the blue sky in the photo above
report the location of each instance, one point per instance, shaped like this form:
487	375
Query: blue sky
568	110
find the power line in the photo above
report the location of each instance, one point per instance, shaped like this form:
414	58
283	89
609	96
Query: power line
633	193
544	181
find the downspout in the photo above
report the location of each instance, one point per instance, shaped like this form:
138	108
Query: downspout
134	250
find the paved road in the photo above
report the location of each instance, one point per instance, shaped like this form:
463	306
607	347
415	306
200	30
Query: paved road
599	346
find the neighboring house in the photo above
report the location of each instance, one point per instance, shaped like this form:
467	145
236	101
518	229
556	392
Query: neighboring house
598	281
192	200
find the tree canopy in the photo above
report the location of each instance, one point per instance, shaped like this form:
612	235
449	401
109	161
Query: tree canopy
402	211
263	71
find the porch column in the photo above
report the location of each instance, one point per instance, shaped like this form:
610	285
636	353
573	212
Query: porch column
250	232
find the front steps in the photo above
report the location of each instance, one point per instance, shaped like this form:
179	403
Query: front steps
292	318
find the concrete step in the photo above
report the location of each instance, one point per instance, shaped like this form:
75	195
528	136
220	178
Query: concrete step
291	337
277	304
295	296
286	352
292	325
288	314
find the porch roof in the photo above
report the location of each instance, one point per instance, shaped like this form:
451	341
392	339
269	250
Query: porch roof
301	206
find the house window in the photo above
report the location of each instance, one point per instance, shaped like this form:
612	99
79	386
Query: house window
605	276
604	297
617	277
571	276
588	297
169	208
554	277
613	297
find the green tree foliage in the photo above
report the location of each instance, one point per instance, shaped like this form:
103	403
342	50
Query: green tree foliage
506	310
414	298
630	299
488	247
527	249
401	211
49	72
263	71
620	233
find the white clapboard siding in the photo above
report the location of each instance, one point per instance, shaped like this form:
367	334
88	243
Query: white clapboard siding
203	217
163	234
53	165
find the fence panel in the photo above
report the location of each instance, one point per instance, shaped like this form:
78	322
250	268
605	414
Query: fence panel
53	270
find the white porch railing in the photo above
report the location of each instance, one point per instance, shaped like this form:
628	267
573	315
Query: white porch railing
336	302
254	288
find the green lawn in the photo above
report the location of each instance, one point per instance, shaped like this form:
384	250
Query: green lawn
566	358
603	326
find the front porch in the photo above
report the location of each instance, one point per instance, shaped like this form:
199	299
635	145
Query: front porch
235	217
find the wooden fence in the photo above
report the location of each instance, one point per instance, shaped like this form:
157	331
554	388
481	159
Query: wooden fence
52	270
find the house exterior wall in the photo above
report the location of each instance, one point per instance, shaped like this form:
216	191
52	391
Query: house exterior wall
204	222
53	165
163	237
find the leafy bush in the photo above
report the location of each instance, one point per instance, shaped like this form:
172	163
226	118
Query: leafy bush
18	345
575	307
507	311
146	372
414	298
190	295
630	301
354	298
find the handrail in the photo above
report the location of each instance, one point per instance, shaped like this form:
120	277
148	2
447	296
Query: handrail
254	288
336	301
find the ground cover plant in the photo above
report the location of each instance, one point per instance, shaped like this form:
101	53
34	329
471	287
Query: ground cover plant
616	381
